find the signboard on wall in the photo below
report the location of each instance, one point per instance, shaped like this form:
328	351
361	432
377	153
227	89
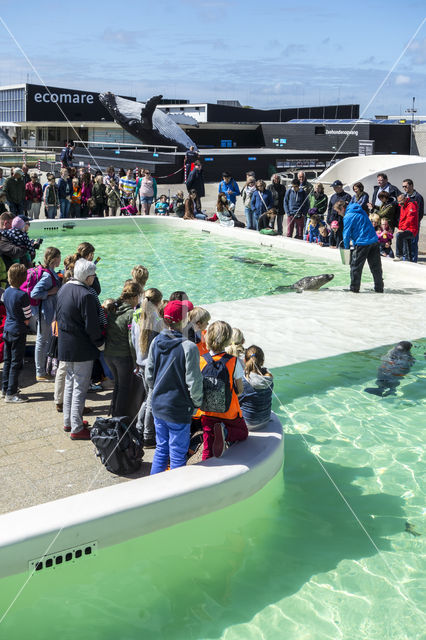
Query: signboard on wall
57	105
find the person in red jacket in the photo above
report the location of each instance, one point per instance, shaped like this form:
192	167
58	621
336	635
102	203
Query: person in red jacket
408	227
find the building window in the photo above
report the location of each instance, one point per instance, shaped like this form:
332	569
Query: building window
12	105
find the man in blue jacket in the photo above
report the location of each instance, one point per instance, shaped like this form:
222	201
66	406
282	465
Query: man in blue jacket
229	187
359	229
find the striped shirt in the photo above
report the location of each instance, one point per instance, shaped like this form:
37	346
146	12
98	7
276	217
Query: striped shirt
127	186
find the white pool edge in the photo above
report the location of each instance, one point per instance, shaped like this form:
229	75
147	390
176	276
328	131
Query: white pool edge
132	509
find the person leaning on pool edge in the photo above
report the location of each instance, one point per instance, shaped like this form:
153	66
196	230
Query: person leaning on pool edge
359	229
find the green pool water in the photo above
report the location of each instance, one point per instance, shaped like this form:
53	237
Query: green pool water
321	552
199	263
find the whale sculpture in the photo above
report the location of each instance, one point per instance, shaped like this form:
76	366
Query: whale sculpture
148	123
308	283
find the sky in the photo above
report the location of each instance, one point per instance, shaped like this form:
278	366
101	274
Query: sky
264	54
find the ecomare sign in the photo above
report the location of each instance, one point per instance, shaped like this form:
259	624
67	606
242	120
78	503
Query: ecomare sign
59	104
65	98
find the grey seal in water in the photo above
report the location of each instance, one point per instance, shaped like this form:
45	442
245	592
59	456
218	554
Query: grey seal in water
308	283
252	261
396	363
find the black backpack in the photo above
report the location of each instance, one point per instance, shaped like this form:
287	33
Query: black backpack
217	392
118	445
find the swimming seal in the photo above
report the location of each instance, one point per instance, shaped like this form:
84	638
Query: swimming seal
396	363
308	283
146	122
252	261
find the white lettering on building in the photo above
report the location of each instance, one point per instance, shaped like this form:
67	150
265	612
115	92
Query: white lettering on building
341	132
64	98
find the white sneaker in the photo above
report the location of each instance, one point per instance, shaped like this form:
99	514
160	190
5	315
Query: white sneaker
397	259
16	399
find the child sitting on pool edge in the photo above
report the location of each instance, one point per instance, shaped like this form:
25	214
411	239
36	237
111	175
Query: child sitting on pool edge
220	427
256	399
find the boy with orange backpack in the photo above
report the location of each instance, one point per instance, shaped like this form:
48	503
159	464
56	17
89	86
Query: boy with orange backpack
221	416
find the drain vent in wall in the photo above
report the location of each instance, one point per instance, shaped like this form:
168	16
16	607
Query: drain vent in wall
53	560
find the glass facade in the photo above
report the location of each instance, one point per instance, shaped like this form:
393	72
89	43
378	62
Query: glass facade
12	105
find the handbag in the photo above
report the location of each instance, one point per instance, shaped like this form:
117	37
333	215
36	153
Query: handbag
52	357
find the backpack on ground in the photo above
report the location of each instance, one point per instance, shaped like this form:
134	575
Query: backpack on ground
33	277
217	392
118	445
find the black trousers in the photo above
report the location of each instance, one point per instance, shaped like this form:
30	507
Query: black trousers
14	350
403	244
371	253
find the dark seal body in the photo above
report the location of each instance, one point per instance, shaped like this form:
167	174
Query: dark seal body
308	283
395	365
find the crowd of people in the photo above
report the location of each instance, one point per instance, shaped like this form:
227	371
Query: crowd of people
173	371
311	215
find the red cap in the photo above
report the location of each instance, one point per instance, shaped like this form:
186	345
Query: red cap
177	310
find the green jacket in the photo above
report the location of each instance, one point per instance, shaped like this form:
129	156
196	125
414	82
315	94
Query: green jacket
118	337
3	274
14	190
319	203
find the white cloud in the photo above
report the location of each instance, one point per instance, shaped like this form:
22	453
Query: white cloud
417	52
401	79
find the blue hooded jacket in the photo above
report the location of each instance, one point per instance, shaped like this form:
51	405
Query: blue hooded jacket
358	227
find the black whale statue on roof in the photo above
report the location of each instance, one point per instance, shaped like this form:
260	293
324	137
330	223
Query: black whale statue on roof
148	123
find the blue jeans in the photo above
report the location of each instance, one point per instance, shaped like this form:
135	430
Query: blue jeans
64	206
415	248
172	441
44	336
50	212
14	350
200	216
16	209
250	224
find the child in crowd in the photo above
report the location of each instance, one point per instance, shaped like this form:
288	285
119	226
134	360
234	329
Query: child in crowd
18	236
199	318
323	233
146	325
75	205
385	236
375	221
162	207
18	314
256	399
178	295
113	197
235	347
313	229
220	427
91	207
130	209
266	222
172	370
179	204
336	236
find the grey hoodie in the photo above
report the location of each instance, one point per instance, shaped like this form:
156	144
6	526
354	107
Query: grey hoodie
173	372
